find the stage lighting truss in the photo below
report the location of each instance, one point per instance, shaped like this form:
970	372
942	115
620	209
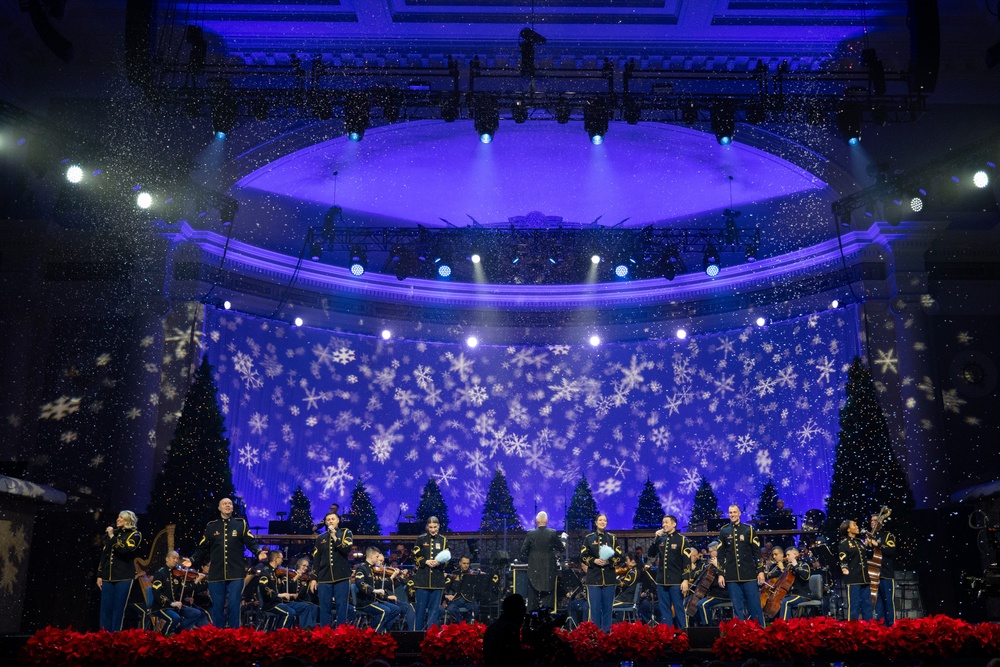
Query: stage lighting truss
550	255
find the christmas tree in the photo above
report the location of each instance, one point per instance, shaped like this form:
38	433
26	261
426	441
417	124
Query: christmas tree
649	512
582	508
300	515
498	511
432	504
196	474
767	505
866	473
706	506
366	521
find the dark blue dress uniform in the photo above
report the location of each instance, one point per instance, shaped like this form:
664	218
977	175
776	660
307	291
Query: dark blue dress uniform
461	607
333	574
167	590
382	613
672	549
739	556
539	551
601	580
428	582
798	593
859	597
117	572
224	543
270	600
885	601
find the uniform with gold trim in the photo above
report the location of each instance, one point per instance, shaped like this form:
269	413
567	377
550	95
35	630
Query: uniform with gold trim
381	613
601	579
627	584
739	554
167	604
885	605
854	567
224	542
333	571
671	548
271	600
461	607
116	569
799	592
428	581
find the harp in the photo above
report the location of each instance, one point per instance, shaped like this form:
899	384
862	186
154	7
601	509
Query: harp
162	544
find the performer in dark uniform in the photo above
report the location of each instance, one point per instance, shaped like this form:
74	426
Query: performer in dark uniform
332	583
116	569
627	583
716	595
673	549
739	551
167	602
799	592
371	600
854	567
301	580
573	592
885	603
428	578
601	553
460	607
272	599
223	544
539	551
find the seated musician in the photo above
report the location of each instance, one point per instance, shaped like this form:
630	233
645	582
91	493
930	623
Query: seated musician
169	594
199	590
371	596
460	607
716	595
627	582
394	581
572	593
799	591
272	599
305	604
254	570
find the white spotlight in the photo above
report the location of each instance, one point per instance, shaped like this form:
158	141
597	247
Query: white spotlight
472	341
144	200
761	321
386	334
227	304
74	174
298	321
682	334
981	179
835	304
595	340
476	258
595	259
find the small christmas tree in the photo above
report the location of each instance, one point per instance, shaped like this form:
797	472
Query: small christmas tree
582	508
196	474
767	505
866	473
366	521
432	504
300	515
706	506
649	512
498	510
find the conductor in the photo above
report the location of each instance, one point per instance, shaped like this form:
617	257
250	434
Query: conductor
539	551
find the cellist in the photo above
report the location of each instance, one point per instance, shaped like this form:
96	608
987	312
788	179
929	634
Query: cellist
799	591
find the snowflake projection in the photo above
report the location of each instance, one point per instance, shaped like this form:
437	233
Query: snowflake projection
397	414
886	361
60	408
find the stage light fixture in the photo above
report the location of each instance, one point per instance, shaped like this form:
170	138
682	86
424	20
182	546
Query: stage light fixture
298	322
563	113
228	305
444	270
472	341
595	340
849	122
74	174
710	261
223	112
724	121
359	261
357	114
402	261
386	334
528	39
835	304
682	334
761	321
144	200
519	112
595	259
475	258
332	218
917	203
981	179
315	250
595	120
621	270
487	122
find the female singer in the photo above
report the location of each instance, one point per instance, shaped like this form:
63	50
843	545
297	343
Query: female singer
854	567
116	571
332	582
428	578
601	554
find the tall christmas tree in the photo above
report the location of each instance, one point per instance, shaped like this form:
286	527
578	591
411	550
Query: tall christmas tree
196	474
582	508
366	521
498	510
649	512
300	515
866	473
767	504
432	504
706	505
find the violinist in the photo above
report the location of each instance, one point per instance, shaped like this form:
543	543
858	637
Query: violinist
799	592
115	572
372	597
305	600
854	567
715	594
253	574
627	583
393	580
671	583
168	597
332	582
460	606
272	599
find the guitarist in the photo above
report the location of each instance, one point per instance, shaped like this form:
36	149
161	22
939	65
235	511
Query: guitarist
879	538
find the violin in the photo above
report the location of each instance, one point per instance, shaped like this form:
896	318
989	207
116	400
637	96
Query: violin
182	572
289	572
621	571
384	570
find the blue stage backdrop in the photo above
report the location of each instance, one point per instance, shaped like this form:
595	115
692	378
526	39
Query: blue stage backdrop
319	409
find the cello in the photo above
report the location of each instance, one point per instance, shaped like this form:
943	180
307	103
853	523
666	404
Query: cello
776	588
705	580
875	560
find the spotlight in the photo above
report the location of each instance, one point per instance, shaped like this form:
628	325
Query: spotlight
761	321
621	270
711	261
487	110
472	341
402	261
632	110
359	261
595	340
315	250
386	334
916	204
519	112
476	258
444	270
595	259
223	112
443	262
724	121
835	304
357	114
595	120
981	179
75	174
849	122
682	334
220	135
227	304
298	321
144	200
563	113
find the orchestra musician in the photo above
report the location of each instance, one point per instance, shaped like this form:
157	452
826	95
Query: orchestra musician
272	599
799	592
393	580
671	581
459	606
253	574
627	582
539	550
300	582
739	550
601	553
116	571
879	538
716	594
168	602
332	582
428	578
574	593
854	567
223	543
372	597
